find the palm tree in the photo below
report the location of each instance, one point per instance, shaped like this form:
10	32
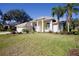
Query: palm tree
59	12
1	14
70	9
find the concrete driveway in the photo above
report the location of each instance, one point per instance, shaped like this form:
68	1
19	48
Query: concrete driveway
5	32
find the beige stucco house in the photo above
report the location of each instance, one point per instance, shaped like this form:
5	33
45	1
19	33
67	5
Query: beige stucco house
42	24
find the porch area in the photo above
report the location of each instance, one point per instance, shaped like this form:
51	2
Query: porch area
46	25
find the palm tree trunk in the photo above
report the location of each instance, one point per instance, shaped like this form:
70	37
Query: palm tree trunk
68	23
58	24
68	27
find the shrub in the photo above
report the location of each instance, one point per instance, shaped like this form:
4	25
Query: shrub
62	32
26	30
50	31
1	27
20	33
76	32
65	32
13	32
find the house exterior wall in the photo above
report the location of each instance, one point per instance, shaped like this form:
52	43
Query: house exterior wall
38	28
51	25
39	25
19	29
61	27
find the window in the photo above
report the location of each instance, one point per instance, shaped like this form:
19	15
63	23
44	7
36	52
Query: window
54	20
48	25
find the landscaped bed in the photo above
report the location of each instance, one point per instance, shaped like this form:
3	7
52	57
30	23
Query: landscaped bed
37	44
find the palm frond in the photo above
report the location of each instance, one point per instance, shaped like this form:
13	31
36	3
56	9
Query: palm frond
76	10
58	11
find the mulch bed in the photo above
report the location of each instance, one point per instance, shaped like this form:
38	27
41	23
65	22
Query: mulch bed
74	52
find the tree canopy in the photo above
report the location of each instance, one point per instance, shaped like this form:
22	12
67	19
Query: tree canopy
58	11
19	16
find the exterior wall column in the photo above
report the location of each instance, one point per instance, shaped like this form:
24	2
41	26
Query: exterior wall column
51	27
37	23
31	23
37	26
42	25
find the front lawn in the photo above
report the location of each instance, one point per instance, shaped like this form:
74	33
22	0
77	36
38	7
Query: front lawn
37	44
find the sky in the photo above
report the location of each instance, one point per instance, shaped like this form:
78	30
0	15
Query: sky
35	10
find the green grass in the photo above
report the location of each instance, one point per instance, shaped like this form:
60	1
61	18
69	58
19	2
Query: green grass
37	44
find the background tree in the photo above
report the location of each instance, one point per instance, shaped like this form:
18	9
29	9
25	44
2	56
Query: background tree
1	25
75	23
5	18
17	15
1	14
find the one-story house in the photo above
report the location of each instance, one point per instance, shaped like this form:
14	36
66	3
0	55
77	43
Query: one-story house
26	25
42	24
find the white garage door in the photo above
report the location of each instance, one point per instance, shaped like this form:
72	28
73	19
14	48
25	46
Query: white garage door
55	28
